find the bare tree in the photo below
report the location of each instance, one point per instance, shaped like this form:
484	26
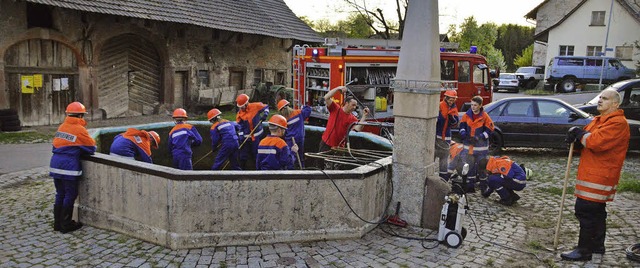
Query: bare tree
376	20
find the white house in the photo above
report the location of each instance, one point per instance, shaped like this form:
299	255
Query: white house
579	28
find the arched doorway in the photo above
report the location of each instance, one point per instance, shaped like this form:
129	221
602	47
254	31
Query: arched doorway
42	78
129	77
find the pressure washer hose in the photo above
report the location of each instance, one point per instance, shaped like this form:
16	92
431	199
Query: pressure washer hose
633	252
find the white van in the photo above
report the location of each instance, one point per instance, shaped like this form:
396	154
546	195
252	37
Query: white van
565	72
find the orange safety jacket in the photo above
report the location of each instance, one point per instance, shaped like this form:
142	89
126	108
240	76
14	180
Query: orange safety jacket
604	150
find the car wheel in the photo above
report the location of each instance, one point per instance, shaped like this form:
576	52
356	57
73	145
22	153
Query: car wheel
568	85
495	143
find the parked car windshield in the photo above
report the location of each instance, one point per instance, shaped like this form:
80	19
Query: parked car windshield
615	87
507	76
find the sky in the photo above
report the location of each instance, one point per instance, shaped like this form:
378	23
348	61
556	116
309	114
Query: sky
451	11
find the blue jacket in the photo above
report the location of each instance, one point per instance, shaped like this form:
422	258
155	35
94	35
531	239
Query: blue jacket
224	132
273	154
134	144
70	142
181	138
295	126
447	117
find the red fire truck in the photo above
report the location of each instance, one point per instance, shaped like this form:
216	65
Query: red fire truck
369	73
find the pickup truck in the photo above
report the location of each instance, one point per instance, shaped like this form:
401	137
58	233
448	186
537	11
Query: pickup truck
530	76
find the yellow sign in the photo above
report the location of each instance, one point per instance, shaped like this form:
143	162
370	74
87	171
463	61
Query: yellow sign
27	84
37	80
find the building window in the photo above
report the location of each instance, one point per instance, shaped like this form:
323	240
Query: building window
594	50
280	78
624	52
597	18
566	51
203	78
39	16
258	76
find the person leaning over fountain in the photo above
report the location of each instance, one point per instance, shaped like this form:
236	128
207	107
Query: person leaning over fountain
295	127
273	151
69	143
135	144
224	137
181	138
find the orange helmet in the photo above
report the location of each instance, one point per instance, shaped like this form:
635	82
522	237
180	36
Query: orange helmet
282	103
155	137
242	99
279	121
451	93
213	113
75	108
179	113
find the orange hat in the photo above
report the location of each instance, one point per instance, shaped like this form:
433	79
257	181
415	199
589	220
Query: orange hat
451	93
179	113
282	103
279	121
242	99
155	137
75	108
213	113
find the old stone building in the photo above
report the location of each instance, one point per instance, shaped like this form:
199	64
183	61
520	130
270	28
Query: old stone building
125	58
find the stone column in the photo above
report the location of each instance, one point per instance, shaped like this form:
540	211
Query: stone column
417	95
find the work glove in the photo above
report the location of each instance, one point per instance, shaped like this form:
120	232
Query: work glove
574	135
264	114
294	148
463	134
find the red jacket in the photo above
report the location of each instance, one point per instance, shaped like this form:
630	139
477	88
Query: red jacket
605	148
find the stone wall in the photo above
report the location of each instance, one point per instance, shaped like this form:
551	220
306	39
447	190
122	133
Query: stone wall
192	209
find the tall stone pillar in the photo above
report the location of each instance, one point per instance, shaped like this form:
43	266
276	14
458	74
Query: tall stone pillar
416	99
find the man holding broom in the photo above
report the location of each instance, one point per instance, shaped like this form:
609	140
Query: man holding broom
603	147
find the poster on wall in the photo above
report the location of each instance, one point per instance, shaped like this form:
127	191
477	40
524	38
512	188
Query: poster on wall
27	84
56	84
37	80
64	83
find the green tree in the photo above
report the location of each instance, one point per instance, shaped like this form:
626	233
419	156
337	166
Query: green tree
358	26
379	24
495	59
483	36
512	40
525	58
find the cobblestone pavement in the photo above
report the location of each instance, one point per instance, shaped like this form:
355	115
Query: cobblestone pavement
27	238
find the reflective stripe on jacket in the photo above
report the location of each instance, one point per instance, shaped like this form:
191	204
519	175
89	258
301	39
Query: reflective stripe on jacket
251	117
295	126
506	167
181	138
69	143
133	143
604	149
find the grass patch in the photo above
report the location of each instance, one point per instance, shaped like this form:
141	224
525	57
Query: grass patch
556	190
550	263
490	262
534	245
628	183
24	137
538	92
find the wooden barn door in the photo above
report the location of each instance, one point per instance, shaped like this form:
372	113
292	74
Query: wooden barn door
42	80
129	77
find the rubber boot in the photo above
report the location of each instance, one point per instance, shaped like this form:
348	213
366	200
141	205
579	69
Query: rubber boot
57	217
578	254
68	225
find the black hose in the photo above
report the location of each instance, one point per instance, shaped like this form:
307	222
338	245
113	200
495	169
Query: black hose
633	252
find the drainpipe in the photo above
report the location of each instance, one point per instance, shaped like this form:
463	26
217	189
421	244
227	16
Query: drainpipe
416	98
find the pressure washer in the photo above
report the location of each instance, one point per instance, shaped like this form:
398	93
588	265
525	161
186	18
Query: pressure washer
455	207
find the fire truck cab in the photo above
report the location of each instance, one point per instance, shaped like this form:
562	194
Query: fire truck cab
369	74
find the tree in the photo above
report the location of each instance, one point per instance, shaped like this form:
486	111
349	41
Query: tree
495	59
513	39
525	58
483	36
376	20
358	26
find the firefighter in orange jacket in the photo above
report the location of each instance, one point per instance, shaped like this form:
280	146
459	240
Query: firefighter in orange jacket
250	117
475	128
455	161
447	117
604	143
135	144
273	151
505	177
70	142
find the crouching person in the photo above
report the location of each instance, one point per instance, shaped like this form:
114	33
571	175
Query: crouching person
135	144
505	177
273	151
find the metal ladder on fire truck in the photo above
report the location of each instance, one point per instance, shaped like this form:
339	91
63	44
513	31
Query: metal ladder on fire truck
298	52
